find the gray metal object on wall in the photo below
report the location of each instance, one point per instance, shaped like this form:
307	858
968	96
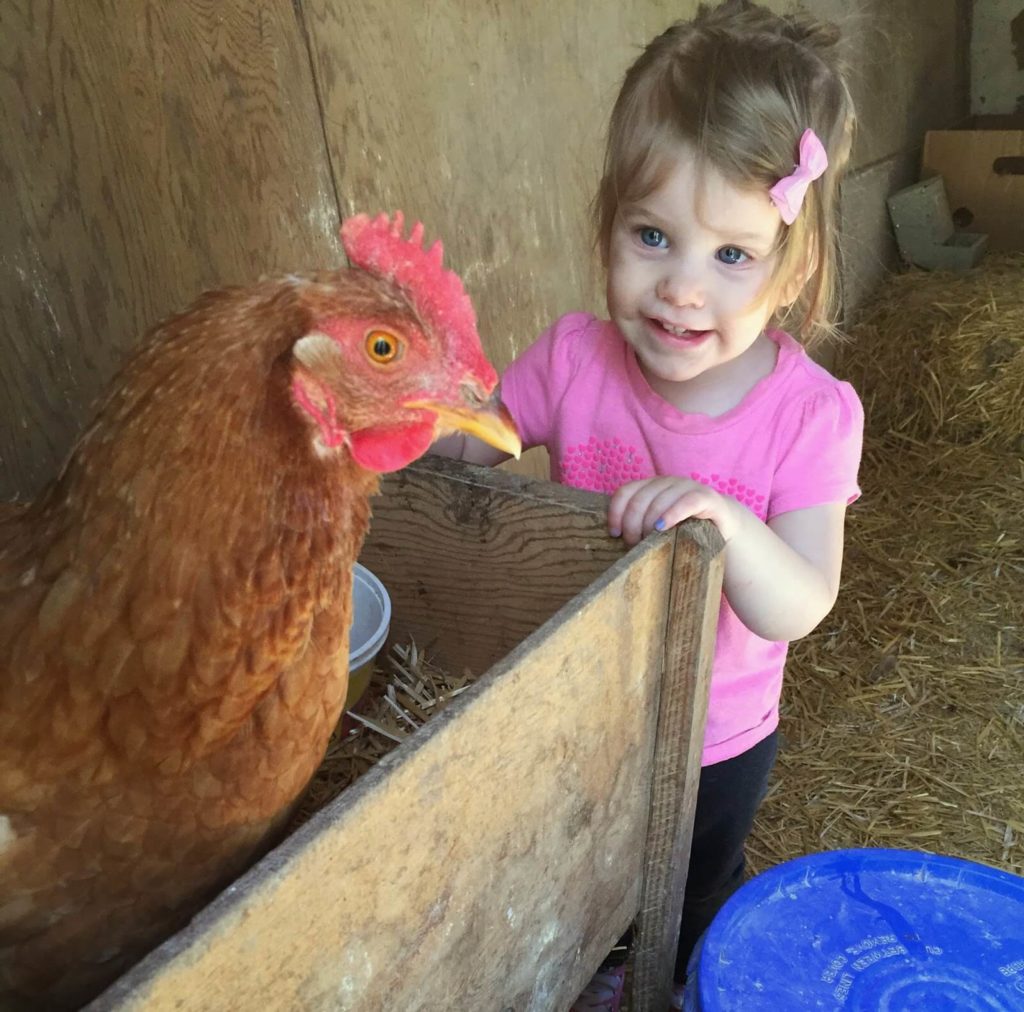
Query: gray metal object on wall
925	232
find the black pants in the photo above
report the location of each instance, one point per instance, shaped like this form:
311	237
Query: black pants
727	801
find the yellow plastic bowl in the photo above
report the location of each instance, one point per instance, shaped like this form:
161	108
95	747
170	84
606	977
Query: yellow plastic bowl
371	620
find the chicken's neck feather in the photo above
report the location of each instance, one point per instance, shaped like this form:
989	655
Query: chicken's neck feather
200	436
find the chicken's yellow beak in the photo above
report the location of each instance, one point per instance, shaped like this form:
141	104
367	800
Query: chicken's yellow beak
490	421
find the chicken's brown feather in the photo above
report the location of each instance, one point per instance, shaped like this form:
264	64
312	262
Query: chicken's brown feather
175	609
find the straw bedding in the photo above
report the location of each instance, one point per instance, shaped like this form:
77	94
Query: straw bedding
903	714
406	689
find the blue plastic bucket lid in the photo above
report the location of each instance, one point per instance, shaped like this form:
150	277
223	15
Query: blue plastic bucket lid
870	931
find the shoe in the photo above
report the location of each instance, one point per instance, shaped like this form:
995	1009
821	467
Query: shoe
603	993
678	997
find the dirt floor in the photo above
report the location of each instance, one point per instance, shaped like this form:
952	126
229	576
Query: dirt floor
903	714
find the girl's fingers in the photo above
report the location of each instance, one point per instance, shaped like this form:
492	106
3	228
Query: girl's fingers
621	502
634	515
644	506
627	509
667	509
655	504
700	503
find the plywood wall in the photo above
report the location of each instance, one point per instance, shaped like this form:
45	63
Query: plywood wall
150	150
997	58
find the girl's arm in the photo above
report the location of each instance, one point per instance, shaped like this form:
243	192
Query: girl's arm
781	578
460	446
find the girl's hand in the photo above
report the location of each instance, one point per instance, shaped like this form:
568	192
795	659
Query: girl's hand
656	504
780	578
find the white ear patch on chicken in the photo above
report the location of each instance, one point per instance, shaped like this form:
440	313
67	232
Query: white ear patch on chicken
316	351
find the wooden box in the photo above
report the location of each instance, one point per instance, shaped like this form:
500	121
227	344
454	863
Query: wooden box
983	173
490	862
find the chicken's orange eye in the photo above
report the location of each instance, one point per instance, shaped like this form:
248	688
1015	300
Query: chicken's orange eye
382	347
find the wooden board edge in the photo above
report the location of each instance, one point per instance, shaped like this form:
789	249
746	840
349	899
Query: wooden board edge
524	486
694	600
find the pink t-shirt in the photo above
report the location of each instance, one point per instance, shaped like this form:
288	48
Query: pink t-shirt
793	442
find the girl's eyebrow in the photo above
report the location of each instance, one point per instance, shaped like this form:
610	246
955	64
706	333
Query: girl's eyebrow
756	240
738	233
741	236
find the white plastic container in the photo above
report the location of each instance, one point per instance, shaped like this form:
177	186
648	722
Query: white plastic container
371	620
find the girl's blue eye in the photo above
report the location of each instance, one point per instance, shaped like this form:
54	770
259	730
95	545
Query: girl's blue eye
652	237
731	255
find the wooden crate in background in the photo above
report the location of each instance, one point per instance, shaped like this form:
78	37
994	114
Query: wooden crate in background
491	861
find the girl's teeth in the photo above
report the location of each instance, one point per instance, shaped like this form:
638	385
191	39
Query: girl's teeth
676	331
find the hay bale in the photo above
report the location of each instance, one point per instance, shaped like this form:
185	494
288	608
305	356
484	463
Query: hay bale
903	714
940	356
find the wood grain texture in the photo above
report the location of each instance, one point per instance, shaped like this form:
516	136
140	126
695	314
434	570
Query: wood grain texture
967	164
488	863
481	558
149	151
697	570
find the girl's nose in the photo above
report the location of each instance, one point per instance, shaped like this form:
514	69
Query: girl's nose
681	286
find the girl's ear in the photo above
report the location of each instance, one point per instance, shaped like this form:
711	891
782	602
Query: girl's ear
793	287
802	271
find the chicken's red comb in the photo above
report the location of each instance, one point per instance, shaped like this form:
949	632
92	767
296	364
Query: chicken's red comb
378	246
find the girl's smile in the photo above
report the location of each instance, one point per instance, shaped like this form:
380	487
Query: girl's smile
676	336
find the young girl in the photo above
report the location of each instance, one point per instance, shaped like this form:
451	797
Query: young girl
715	221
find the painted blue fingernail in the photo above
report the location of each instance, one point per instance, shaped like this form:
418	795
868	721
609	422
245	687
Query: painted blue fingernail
659	524
615	532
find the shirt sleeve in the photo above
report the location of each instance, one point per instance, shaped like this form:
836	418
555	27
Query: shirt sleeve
820	464
534	385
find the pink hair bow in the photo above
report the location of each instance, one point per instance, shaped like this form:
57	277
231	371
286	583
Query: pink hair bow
788	193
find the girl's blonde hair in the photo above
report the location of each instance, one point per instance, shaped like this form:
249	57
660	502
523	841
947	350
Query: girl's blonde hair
740	84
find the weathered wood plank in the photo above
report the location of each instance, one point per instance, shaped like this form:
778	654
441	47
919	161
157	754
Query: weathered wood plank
149	151
486	122
493	859
488	863
689	648
482	558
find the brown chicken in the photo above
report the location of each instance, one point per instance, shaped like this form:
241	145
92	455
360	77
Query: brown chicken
174	608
